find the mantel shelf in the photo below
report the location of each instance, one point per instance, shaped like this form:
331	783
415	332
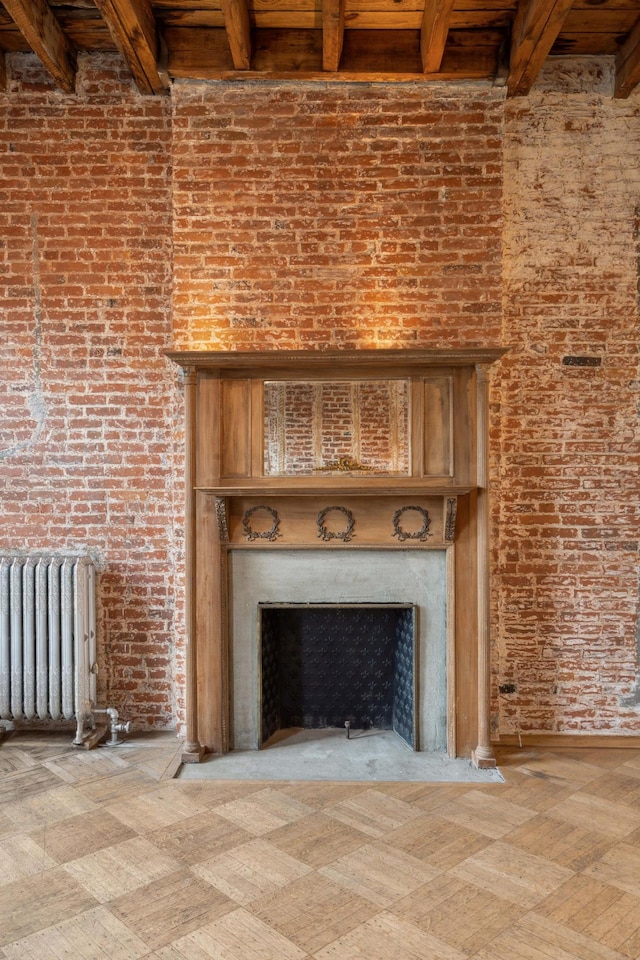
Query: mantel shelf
346	485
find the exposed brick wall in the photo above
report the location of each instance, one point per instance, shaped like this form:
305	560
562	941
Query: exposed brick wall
313	217
88	401
327	215
566	582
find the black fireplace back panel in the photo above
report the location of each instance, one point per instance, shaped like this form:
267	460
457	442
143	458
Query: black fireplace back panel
323	665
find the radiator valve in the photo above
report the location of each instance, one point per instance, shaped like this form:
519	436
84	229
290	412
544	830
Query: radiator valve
116	727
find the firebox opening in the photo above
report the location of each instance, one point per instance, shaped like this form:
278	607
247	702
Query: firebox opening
327	665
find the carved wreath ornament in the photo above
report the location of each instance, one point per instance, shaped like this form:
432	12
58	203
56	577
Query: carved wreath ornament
270	534
345	535
401	534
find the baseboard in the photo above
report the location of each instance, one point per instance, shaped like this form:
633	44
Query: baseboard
573	741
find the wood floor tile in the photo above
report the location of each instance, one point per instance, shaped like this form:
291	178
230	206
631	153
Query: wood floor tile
213	793
236	936
539	938
251	870
17	787
124	863
317	840
488	815
592	812
439	906
512	874
602	912
121	868
438	842
372	812
379	873
562	843
536	793
78	836
620	866
561	769
93	935
262	812
199	838
170	908
312	912
631	766
117	789
616	787
20	857
84	765
49	807
155	809
432	797
14	759
40	901
386	936
320	794
8	826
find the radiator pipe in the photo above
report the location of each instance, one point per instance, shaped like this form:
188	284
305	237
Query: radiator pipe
116	727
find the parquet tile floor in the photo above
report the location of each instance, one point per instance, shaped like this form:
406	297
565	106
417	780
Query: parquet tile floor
103	856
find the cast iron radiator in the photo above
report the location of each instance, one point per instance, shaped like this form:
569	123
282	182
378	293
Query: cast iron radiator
47	639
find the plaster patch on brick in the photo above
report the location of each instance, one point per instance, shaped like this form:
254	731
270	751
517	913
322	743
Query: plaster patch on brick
35	402
567	75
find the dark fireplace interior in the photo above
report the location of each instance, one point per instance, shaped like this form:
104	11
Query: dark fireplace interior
323	665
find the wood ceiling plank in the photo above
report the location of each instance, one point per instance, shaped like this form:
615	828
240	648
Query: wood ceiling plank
535	30
133	29
191	18
584	44
332	33
46	38
600	20
297	54
628	65
238	27
434	29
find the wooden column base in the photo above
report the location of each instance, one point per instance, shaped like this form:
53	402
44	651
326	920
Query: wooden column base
483	759
193	752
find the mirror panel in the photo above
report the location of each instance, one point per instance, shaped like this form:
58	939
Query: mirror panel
336	426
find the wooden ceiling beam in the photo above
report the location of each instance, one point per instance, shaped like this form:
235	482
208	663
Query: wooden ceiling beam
535	30
238	28
628	65
45	36
133	29
332	33
433	33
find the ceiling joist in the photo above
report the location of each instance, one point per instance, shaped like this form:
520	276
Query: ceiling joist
332	33
133	28
44	35
628	65
238	27
535	30
433	33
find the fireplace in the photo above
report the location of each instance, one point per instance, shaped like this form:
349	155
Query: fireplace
348	481
337	665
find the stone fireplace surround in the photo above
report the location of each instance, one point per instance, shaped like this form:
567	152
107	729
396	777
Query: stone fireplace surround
232	565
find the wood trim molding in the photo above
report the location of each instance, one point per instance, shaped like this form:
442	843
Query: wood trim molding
565	741
193	750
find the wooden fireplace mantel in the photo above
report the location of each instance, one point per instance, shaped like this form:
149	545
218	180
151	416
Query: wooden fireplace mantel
234	503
